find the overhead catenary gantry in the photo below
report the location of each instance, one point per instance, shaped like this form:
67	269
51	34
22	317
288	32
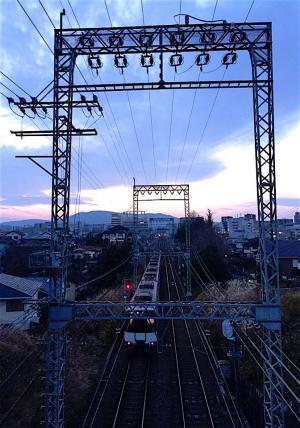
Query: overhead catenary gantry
165	44
163	192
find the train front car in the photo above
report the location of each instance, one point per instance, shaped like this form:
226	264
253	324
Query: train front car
144	331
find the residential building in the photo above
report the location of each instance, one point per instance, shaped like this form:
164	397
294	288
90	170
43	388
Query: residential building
14	236
15	294
289	258
224	221
242	227
162	225
116	219
297	217
116	234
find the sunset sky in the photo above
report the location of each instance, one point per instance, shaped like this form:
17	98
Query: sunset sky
218	156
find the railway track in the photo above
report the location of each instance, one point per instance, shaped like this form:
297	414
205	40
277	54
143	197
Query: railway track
194	404
98	398
225	412
132	403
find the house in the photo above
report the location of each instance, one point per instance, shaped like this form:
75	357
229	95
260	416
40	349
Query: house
14	236
16	296
116	234
289	258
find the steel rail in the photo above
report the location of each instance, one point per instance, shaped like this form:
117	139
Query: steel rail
214	363
16	369
126	382
101	381
195	358
15	403
145	396
122	394
176	358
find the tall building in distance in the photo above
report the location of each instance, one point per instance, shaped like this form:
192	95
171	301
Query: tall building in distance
242	227
297	217
224	221
116	219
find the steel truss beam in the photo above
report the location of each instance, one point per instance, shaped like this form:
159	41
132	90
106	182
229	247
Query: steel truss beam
146	86
163	191
268	315
163	41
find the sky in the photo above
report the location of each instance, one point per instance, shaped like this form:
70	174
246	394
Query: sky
213	153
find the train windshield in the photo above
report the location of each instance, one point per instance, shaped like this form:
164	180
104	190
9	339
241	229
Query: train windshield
140	326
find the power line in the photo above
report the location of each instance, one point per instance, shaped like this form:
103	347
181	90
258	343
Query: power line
152	134
215	8
42	37
180	6
250	8
194	157
213	103
150	112
131	111
74	14
115	140
108	13
170	130
3	74
52	54
135	132
118	132
44	9
142	7
10	90
187	130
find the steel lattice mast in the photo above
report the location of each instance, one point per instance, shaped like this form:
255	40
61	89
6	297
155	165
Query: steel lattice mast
163	42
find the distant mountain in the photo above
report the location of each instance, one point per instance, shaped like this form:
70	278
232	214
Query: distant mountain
21	223
91	217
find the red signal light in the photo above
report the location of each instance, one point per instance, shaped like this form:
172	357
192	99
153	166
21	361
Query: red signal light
128	286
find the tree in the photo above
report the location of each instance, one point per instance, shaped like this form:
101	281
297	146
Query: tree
209	217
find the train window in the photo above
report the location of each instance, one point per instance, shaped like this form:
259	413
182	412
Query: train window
143	299
147	286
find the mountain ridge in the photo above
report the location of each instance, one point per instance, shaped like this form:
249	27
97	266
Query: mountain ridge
89	217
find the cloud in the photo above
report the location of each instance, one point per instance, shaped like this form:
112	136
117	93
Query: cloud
234	188
10	122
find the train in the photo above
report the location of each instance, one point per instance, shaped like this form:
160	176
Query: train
144	331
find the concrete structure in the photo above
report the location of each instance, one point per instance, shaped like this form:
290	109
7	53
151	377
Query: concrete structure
224	221
242	227
162	225
116	234
297	217
116	219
